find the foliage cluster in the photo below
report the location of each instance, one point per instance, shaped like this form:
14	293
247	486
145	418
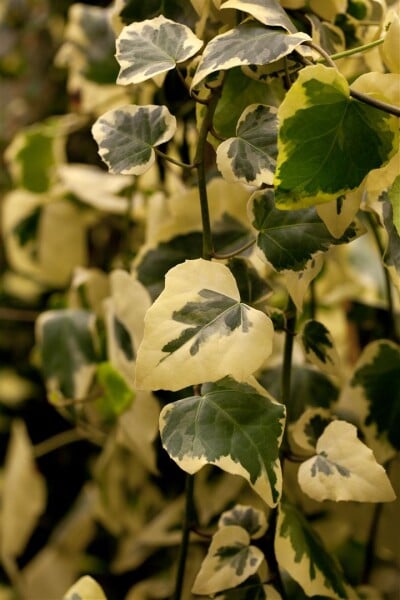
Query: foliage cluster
216	305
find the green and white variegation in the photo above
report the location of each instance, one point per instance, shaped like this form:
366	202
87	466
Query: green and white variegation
198	330
127	136
268	12
251	519
148	48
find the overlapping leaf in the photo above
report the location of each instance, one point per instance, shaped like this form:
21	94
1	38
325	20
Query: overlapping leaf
306	431
148	48
344	471
231	425
301	553
198	330
250	43
230	560
250	157
126	136
319	346
268	12
249	518
328	142
289	238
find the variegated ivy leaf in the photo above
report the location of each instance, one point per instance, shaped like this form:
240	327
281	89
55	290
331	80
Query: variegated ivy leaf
319	347
344	469
391	221
250	156
306	431
300	551
86	588
268	12
231	425
373	393
230	560
250	43
126	136
198	330
298	282
251	589
67	343
339	214
290	238
328	142
251	519
148	48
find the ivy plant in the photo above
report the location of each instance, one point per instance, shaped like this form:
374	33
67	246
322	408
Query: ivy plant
253	157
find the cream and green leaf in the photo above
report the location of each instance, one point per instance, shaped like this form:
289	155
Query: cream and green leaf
230	560
288	239
250	157
127	136
251	519
86	588
328	142
301	553
268	12
198	330
148	48
231	425
344	469
319	347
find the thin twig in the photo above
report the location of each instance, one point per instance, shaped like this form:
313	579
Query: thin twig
174	161
184	546
57	441
234	252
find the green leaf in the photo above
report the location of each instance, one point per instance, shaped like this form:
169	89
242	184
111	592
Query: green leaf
250	156
126	136
68	354
116	395
230	560
198	330
251	589
328	142
344	471
178	10
301	553
268	12
290	238
86	588
253	288
251	519
231	425
151	47
306	431
249	43
319	347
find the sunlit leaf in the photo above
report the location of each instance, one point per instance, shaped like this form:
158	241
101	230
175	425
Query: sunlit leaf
250	156
300	551
249	43
319	346
328	142
198	330
86	588
230	561
23	493
126	136
268	12
251	519
344	471
290	238
148	48
231	425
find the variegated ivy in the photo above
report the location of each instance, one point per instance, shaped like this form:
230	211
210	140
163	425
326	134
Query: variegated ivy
255	171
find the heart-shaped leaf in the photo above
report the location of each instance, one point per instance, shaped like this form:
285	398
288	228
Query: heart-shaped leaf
127	136
198	330
344	469
147	48
250	156
231	425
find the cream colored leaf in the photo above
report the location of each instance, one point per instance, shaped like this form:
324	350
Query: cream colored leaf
24	495
86	588
391	45
297	282
339	214
344	469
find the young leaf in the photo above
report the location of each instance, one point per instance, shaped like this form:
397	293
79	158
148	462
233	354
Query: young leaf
86	588
251	519
250	156
148	48
117	395
248	44
126	136
319	347
23	493
344	469
198	330
290	238
231	426
301	553
230	560
268	12
327	141
67	350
